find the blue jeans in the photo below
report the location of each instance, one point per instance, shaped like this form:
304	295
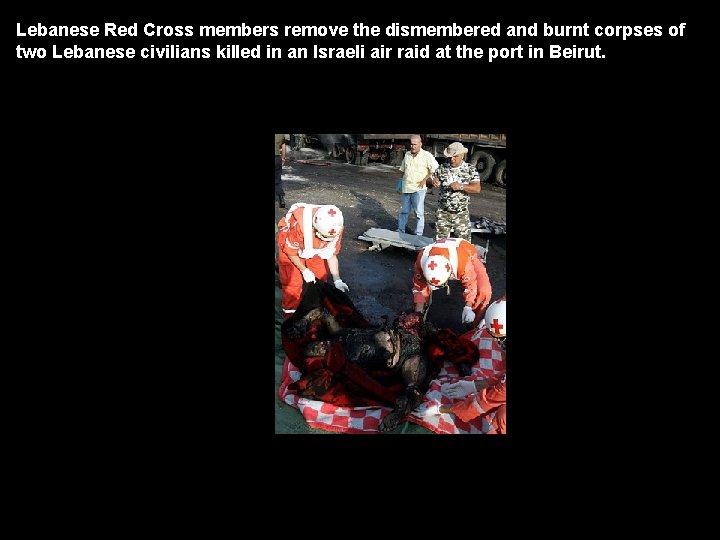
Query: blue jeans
416	201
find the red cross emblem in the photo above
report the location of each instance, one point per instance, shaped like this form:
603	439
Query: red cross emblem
332	212
496	326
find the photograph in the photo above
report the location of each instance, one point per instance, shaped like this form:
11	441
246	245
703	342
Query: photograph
390	283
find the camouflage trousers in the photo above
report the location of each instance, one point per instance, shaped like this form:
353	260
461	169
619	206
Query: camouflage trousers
447	222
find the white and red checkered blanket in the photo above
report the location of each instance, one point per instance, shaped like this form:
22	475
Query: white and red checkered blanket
321	415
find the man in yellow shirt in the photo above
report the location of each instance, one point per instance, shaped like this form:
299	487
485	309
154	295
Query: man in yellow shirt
417	167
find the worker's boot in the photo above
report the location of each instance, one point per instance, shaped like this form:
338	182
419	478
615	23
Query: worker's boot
281	201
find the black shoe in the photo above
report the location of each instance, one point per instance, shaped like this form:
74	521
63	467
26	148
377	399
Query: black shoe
281	201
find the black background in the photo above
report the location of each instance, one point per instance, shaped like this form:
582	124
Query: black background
144	243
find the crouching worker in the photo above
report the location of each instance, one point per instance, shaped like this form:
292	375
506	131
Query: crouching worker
479	399
309	240
452	258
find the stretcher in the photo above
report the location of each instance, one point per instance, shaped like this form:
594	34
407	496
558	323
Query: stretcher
487	226
384	238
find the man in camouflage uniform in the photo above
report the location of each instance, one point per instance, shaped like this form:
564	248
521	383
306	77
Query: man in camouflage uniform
456	179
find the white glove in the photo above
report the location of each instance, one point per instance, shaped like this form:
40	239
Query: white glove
433	410
308	276
458	390
340	284
468	314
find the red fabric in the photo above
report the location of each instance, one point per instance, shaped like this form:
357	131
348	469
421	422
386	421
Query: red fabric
344	419
446	345
327	376
332	378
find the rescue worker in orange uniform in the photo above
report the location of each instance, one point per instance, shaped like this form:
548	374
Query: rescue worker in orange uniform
479	399
452	258
309	240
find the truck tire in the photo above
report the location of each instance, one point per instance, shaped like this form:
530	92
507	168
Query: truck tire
484	162
349	154
500	173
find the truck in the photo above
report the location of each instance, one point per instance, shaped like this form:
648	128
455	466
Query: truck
486	151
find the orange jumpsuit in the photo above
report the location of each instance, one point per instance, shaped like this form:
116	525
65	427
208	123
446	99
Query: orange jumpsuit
293	232
490	402
467	267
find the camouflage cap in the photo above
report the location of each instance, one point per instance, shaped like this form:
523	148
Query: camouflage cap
455	149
